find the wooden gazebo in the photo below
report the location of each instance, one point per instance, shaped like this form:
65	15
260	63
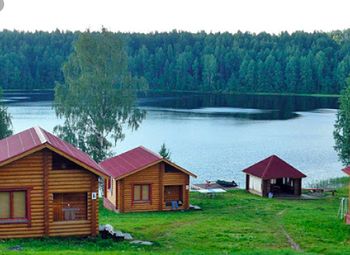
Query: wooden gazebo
273	176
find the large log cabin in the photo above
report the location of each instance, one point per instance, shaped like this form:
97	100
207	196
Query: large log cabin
273	176
47	187
141	180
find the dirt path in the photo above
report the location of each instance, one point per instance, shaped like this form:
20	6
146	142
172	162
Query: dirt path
293	244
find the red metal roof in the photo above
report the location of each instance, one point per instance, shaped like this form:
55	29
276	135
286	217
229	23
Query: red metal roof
346	170
32	138
129	162
273	167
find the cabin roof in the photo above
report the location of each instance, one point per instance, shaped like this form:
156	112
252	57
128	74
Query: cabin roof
34	139
133	161
273	167
346	170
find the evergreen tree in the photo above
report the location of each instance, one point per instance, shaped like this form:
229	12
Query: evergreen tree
209	72
292	74
164	152
306	76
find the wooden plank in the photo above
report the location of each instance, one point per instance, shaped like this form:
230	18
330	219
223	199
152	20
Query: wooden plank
186	193
46	192
122	198
161	185
93	205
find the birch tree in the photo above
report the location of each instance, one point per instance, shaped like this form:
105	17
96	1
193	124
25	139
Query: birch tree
98	97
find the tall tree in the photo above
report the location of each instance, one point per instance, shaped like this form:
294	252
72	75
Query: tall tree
292	74
342	127
209	72
5	120
97	98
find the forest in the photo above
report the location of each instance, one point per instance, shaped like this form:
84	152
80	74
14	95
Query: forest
300	62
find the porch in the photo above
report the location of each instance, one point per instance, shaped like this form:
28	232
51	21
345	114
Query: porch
173	197
282	187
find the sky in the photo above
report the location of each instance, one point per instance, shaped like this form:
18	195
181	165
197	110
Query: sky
271	16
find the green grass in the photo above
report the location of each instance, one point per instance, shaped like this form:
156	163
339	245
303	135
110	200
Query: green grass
235	223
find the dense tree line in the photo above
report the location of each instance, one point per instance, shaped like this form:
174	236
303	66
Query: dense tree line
242	62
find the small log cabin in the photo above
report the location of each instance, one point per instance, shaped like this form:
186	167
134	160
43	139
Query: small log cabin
47	187
347	216
141	180
273	175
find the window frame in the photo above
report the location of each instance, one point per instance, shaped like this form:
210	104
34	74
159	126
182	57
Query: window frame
27	218
149	201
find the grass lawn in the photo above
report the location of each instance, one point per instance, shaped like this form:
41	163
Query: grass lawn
235	223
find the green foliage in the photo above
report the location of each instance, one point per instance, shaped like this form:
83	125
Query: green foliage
164	152
5	120
342	127
98	97
242	62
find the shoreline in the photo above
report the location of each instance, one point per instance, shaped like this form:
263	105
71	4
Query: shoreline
195	92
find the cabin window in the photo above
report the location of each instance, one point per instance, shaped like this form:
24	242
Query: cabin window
170	169
273	181
142	193
61	163
69	206
13	206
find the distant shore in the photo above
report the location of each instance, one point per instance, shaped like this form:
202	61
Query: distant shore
195	92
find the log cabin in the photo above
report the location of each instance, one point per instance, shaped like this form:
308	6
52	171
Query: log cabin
47	187
273	176
141	180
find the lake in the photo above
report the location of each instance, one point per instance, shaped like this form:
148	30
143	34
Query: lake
216	136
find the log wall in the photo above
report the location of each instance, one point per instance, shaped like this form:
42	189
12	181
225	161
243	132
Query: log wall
157	178
35	172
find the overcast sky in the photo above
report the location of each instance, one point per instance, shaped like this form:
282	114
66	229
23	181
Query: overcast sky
271	16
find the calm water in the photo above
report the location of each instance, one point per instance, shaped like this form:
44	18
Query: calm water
218	136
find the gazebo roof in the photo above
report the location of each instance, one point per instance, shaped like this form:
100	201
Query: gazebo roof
273	167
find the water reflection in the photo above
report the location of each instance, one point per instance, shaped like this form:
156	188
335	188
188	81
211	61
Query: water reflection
239	113
254	107
273	107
